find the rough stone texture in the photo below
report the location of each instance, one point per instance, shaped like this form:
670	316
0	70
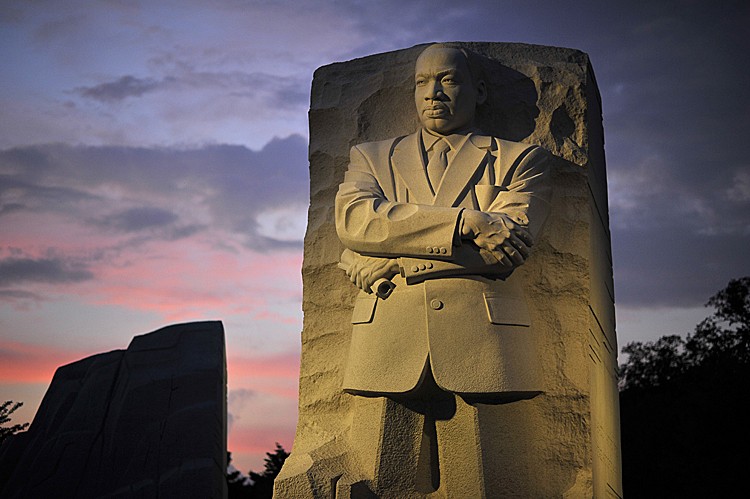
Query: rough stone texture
149	421
563	443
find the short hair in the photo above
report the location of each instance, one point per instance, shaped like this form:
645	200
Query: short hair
472	59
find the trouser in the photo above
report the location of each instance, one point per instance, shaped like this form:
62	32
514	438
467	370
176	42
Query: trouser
434	443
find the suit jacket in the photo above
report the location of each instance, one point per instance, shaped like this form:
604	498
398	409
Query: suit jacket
451	305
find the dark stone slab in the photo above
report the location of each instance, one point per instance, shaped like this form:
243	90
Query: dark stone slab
149	421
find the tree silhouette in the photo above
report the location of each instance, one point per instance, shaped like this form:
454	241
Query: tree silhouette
6	409
682	405
257	485
263	482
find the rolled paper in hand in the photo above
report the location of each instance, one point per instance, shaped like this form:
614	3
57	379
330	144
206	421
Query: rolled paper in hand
382	287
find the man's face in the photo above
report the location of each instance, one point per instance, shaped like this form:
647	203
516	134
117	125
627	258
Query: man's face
445	95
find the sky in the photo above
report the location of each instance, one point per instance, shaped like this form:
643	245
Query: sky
153	168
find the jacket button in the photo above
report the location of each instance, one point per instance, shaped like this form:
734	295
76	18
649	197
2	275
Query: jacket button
422	266
429	265
443	250
415	269
435	249
430	249
436	304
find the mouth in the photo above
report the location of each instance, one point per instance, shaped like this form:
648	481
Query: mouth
436	111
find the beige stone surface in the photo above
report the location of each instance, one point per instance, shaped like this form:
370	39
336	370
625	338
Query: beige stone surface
561	442
149	421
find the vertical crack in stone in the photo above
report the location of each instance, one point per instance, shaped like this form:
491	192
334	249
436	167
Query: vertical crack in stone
334	483
162	431
99	435
428	463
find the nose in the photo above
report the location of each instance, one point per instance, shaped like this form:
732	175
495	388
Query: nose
434	91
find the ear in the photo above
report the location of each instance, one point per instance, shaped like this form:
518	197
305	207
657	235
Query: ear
481	92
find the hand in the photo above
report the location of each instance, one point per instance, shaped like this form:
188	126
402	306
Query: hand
363	271
498	235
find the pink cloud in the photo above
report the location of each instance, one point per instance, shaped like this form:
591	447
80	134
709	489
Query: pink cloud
29	363
176	280
284	366
189	279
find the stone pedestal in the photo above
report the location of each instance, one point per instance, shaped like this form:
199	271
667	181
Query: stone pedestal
563	442
149	421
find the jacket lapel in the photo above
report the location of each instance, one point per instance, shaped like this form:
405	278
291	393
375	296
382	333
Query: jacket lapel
409	165
457	178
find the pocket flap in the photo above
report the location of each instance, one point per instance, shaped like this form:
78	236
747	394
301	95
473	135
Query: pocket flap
507	310
364	309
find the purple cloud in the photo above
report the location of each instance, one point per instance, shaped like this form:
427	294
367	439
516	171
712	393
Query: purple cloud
120	89
14	270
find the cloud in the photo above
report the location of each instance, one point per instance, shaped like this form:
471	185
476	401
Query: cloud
48	270
670	266
139	218
237	401
31	363
240	397
18	294
170	192
196	233
122	88
264	90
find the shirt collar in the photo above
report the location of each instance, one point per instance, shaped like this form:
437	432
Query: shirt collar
454	140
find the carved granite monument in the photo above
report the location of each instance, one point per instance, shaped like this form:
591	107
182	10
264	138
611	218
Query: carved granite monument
477	357
149	421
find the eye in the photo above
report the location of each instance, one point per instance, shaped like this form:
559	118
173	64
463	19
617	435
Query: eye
421	82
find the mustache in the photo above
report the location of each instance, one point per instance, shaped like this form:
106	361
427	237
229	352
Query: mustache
435	105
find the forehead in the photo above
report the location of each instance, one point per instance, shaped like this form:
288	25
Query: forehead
435	60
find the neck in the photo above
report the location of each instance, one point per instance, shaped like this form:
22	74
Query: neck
460	131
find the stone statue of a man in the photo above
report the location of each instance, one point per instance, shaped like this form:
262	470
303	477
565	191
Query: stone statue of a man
445	214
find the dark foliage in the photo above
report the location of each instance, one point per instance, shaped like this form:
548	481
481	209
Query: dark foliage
6	409
682	405
259	485
237	485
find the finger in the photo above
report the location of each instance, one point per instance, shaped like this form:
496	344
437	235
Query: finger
524	235
352	273
515	256
492	241
503	258
520	245
488	257
365	279
381	271
369	283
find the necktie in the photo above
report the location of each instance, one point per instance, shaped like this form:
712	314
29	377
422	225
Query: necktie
438	163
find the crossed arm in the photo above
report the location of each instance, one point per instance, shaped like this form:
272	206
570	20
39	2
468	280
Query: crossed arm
385	238
493	245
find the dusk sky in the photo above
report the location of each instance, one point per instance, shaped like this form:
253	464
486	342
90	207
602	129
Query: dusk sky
153	168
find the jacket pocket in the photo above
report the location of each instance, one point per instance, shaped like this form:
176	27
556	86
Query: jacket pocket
507	310
364	309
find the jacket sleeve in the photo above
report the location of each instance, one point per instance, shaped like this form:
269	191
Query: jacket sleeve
370	224
522	193
525	190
